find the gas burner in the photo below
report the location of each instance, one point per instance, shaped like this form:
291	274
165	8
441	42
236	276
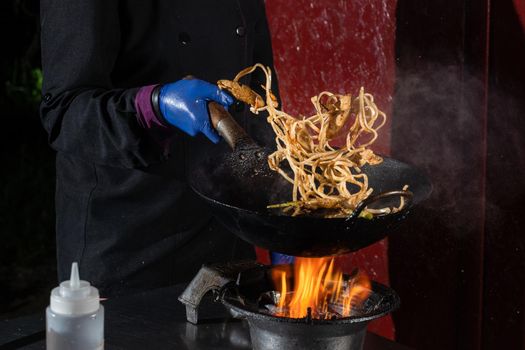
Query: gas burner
247	290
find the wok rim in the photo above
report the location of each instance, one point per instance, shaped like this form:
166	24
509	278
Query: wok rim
265	214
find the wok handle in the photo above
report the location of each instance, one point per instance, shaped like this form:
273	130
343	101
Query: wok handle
407	195
227	127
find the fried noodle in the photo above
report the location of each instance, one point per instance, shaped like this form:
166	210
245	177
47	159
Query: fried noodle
323	177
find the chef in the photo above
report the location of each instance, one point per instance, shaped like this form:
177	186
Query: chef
127	124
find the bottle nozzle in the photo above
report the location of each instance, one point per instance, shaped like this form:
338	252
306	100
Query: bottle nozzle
74	280
74	296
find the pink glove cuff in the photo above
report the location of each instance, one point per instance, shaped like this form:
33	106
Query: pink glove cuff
146	116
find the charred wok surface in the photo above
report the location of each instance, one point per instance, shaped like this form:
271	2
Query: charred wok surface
237	195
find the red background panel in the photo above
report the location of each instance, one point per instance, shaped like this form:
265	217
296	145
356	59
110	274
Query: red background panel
519	5
335	46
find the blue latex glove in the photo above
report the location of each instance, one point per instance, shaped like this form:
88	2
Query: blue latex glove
184	105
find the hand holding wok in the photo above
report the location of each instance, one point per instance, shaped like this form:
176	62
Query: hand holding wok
183	104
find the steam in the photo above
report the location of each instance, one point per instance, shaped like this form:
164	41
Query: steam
440	125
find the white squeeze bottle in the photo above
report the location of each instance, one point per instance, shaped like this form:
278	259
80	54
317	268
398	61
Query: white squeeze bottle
74	317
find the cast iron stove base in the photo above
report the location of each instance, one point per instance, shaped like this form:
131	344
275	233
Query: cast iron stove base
239	287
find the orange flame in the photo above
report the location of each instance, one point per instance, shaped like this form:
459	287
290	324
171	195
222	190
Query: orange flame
318	285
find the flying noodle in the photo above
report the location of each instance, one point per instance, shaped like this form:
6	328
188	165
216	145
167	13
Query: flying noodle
323	177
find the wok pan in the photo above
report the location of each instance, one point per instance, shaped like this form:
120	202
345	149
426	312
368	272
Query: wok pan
237	186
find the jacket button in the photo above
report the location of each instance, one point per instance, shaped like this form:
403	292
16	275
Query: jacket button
240	31
46	98
184	38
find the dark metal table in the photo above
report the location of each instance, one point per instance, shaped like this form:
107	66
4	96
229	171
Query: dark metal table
156	320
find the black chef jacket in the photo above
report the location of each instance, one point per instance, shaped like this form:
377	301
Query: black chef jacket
124	210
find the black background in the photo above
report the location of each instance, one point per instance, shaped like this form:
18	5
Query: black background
27	258
459	266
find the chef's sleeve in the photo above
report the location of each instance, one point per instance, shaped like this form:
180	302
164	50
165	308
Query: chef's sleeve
82	112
